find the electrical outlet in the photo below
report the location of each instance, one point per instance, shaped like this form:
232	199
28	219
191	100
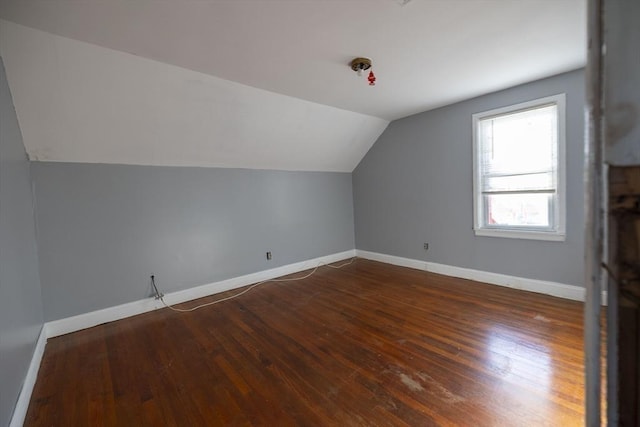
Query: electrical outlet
269	255
426	246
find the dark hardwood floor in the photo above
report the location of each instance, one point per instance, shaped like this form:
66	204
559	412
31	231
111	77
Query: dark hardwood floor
369	344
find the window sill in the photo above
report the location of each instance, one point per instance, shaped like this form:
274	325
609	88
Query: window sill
518	234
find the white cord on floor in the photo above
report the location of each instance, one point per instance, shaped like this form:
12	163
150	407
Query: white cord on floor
292	279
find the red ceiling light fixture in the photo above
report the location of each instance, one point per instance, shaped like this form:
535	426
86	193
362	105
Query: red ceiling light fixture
371	78
363	64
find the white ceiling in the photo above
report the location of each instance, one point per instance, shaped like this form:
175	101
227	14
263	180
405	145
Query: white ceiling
426	54
78	102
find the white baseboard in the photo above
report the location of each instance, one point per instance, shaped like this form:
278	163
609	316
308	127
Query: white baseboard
561	290
22	405
98	317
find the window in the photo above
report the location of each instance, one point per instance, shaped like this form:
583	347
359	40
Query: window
519	175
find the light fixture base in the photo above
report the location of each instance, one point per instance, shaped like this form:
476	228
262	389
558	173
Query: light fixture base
360	64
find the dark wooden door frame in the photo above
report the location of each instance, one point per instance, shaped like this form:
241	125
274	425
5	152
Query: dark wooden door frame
613	209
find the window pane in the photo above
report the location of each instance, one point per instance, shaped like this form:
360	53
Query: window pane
518	210
522	142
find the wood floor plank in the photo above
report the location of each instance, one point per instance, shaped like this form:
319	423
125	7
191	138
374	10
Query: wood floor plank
369	344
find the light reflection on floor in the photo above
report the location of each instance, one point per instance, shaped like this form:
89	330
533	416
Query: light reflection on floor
519	359
524	373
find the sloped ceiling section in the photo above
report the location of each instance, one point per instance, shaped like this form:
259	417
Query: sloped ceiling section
79	102
426	54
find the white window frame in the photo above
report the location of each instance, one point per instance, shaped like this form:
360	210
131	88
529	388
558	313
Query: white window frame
558	230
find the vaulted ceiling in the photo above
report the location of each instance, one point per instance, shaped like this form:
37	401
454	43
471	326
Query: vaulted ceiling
262	83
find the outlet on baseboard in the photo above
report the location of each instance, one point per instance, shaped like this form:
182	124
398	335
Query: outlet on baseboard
425	246
269	255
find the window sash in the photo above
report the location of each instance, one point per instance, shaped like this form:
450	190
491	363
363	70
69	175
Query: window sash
520	141
550	207
541	181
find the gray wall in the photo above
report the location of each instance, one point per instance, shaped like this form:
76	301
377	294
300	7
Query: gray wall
103	229
415	186
20	297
